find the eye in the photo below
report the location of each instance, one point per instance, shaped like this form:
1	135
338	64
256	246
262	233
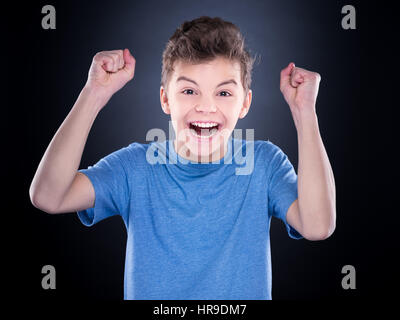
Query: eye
227	94
189	90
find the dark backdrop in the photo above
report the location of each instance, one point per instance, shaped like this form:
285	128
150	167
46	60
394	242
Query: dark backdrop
46	69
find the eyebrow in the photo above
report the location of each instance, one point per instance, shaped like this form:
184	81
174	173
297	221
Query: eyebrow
221	84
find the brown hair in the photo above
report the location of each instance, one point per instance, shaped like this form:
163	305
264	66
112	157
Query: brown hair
204	39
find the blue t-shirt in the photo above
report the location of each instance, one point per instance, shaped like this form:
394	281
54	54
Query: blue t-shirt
195	230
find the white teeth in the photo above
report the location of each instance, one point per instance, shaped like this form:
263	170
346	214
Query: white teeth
204	124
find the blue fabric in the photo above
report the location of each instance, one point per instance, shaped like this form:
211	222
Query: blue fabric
195	231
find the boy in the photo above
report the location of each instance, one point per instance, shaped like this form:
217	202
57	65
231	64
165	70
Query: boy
196	229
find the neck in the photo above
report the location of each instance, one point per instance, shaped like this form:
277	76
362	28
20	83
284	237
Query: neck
185	153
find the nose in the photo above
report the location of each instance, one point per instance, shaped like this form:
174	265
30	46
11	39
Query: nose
206	106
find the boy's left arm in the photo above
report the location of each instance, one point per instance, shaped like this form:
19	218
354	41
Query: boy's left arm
313	214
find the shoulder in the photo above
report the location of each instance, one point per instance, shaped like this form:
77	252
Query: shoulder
131	154
270	155
258	153
137	147
266	149
259	146
261	149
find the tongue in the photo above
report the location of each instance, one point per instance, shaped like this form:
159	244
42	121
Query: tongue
204	131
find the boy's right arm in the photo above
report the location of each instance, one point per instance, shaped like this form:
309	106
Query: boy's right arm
57	186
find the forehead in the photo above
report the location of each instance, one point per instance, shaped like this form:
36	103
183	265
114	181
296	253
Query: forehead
215	70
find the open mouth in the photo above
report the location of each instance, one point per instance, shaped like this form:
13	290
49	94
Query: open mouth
204	129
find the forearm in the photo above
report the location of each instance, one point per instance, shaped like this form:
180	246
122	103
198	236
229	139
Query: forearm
61	160
316	185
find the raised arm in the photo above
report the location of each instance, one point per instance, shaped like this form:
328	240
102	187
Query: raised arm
314	213
57	186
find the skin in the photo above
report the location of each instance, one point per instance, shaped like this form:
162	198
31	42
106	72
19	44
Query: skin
313	214
203	99
58	187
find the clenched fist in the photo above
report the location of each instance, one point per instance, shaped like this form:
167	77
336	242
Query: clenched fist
110	71
299	88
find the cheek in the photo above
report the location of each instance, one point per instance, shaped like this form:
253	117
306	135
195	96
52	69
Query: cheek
178	108
182	104
231	111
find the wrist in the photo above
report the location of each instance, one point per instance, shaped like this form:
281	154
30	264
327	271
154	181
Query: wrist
94	97
89	102
306	121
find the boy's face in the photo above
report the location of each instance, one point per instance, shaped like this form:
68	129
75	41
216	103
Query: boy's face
211	93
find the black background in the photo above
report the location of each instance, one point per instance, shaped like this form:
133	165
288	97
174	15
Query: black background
44	71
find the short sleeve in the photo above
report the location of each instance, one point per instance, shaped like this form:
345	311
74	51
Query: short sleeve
282	189
110	182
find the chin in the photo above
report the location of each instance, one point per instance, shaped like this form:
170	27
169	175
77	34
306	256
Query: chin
206	147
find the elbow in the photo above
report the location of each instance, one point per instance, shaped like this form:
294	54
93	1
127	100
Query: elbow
321	233
318	236
40	203
321	226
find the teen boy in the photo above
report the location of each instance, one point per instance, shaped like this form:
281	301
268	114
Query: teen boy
196	230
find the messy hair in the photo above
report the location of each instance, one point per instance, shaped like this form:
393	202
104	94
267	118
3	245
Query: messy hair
204	39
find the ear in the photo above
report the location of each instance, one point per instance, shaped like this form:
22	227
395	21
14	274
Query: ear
164	101
246	105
